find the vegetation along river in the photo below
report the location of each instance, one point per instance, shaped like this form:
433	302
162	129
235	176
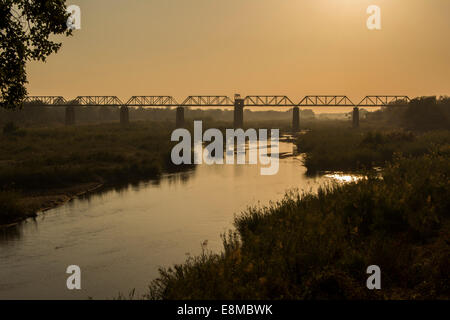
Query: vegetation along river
119	237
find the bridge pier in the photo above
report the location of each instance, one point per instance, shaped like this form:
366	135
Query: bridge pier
70	115
238	113
355	118
124	115
295	119
179	117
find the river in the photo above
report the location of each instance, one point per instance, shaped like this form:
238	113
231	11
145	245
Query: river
119	237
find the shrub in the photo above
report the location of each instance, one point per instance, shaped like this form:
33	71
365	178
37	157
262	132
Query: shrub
318	246
10	210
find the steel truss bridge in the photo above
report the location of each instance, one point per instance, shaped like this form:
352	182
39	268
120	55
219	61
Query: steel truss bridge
219	101
215	101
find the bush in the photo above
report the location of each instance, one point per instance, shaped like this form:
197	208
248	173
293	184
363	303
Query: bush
348	150
10	128
10	210
318	246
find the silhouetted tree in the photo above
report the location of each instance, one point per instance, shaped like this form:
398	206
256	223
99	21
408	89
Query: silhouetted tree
427	113
25	28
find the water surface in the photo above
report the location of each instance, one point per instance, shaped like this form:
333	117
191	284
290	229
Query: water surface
120	237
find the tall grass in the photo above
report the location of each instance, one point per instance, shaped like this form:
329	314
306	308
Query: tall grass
62	156
10	208
329	148
43	159
318	246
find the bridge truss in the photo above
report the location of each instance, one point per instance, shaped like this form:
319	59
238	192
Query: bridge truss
208	101
383	101
268	101
326	101
111	101
220	101
46	100
152	101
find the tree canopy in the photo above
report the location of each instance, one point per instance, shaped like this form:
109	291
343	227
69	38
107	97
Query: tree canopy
25	30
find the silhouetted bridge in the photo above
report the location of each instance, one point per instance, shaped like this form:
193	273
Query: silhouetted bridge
216	101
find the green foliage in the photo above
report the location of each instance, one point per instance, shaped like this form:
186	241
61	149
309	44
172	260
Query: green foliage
50	158
427	113
25	28
10	209
421	114
328	148
318	246
10	128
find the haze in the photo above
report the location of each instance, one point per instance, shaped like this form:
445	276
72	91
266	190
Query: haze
287	47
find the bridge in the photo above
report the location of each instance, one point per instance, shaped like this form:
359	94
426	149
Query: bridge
237	103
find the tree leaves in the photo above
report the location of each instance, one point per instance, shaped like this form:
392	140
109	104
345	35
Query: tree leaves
25	28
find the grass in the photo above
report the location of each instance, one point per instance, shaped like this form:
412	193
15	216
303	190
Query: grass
318	246
10	208
42	160
58	157
39	161
415	129
338	147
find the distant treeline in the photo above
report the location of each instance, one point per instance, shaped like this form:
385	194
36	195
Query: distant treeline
423	113
32	114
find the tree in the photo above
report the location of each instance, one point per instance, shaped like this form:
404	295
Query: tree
25	29
427	113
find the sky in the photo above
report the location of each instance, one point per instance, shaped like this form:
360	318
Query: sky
251	47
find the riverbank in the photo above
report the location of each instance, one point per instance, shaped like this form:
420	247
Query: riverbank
318	246
41	168
19	206
152	223
44	167
336	147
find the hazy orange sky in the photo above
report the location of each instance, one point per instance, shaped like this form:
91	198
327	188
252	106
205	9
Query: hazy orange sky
285	47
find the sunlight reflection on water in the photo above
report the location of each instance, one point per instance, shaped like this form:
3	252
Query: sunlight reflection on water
343	177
